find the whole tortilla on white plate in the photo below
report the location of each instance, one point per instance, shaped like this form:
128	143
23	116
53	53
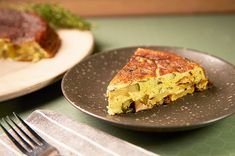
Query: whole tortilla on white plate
20	78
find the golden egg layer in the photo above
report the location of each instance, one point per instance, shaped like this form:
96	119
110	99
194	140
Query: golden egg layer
27	51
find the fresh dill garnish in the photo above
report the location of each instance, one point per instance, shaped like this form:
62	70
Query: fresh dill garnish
57	16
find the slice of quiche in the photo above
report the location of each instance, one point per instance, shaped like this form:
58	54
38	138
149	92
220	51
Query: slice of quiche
153	78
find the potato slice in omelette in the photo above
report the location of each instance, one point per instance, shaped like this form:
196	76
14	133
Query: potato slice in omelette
152	78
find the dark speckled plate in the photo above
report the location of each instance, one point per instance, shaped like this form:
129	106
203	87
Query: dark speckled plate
85	85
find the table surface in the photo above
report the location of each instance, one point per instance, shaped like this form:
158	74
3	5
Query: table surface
214	34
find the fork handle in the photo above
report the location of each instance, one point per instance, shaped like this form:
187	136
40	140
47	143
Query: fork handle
51	151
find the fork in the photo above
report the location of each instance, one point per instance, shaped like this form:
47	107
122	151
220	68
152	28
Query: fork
30	146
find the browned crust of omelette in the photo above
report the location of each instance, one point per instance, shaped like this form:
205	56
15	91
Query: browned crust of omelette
146	63
49	41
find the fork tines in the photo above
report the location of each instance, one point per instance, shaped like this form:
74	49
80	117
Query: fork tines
25	143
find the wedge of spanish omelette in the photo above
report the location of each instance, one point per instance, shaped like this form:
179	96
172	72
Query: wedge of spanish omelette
152	78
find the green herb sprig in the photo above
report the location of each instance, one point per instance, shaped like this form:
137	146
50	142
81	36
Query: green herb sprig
57	16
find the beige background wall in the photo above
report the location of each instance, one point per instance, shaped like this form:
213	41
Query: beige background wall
139	7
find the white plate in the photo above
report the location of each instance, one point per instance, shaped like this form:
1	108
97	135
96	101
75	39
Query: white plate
20	78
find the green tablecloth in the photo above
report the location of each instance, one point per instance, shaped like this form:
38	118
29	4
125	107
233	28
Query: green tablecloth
214	34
